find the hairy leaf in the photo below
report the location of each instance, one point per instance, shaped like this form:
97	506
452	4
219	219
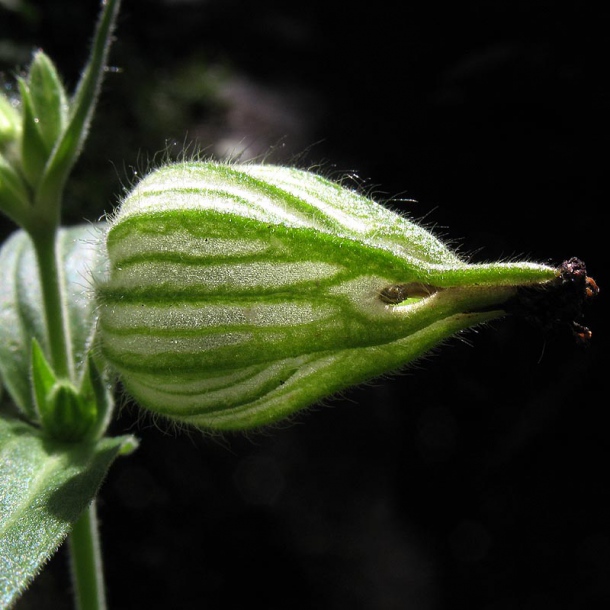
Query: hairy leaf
21	315
48	99
45	485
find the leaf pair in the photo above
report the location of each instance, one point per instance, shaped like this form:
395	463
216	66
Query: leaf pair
39	147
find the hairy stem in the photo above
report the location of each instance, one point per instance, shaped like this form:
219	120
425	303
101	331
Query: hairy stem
54	308
86	563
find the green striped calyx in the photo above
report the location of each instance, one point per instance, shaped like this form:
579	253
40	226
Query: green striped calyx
239	294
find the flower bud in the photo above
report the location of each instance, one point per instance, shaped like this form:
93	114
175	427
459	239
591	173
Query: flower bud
66	412
239	294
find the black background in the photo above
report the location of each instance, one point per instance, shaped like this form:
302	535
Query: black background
476	479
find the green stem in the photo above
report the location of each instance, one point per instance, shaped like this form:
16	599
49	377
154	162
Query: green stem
86	562
57	330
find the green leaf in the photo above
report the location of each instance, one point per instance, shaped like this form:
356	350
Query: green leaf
49	99
34	151
82	106
95	390
21	315
45	485
19	321
14	197
10	122
43	378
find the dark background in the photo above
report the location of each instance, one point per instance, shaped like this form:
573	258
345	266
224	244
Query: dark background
477	478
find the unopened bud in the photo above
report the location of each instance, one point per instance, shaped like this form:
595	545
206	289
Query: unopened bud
239	294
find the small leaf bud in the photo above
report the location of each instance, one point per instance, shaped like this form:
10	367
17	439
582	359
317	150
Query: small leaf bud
65	413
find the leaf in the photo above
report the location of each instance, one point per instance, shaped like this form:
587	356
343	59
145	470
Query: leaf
34	152
19	321
44	487
68	147
10	122
14	197
95	390
43	377
48	99
21	315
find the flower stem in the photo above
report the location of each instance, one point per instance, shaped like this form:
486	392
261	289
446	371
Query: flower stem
57	330
86	563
